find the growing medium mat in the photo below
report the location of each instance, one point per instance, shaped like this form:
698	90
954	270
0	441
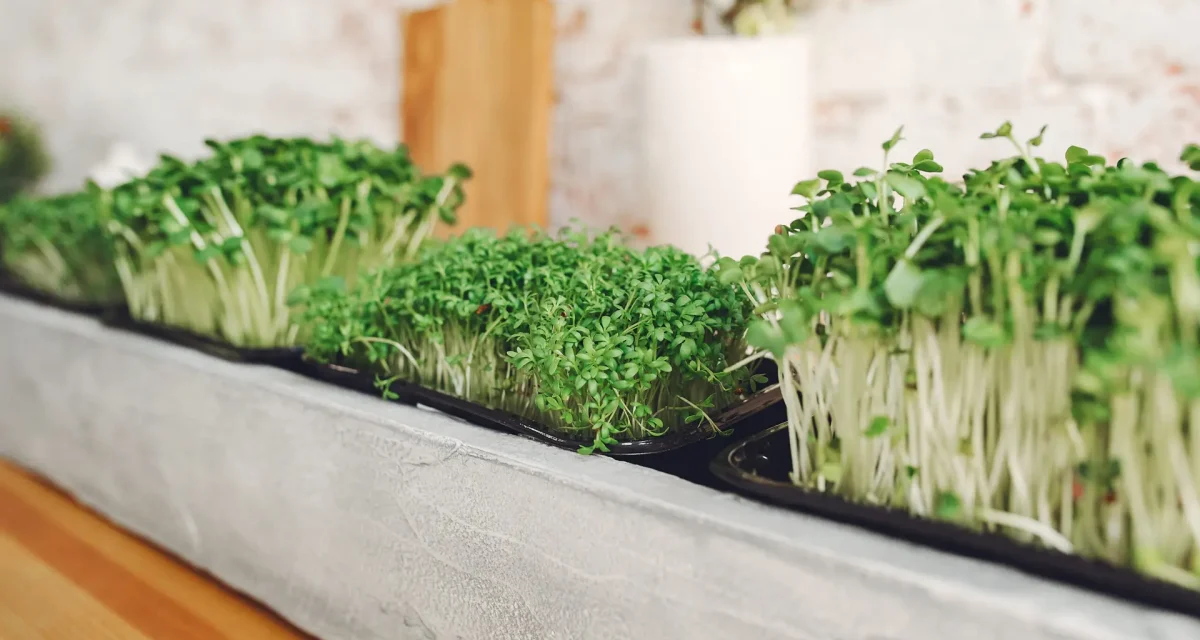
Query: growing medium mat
758	467
414	394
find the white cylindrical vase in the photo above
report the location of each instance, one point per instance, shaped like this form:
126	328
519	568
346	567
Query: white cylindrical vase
727	134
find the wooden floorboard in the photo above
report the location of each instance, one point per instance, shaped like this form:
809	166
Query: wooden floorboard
66	573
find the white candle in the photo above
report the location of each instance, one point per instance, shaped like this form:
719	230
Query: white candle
727	134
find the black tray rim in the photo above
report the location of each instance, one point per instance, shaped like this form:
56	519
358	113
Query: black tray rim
282	357
479	415
12	286
1093	575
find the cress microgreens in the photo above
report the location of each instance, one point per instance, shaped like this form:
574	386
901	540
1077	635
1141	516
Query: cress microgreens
216	246
55	245
1017	351
584	334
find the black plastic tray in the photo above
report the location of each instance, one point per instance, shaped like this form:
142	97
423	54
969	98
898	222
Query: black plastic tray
692	463
409	393
282	357
18	289
758	467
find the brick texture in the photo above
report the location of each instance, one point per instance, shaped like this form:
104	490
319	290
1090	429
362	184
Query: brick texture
1117	76
164	75
1118	40
1120	78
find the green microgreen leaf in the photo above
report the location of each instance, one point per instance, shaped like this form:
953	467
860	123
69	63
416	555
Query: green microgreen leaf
807	188
879	426
948	506
903	284
910	188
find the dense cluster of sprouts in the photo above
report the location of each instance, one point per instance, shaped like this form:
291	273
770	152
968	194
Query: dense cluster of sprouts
1016	352
582	333
215	246
54	245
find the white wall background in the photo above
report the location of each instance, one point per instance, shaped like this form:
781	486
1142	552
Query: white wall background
1121	77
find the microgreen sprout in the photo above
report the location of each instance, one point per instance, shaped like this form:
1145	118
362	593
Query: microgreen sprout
580	332
1015	352
217	246
55	245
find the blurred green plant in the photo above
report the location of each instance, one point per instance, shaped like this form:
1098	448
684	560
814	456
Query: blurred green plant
55	245
23	160
215	246
748	17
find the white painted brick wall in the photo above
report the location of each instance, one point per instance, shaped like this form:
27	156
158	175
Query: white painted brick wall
953	46
1121	77
165	75
1120	40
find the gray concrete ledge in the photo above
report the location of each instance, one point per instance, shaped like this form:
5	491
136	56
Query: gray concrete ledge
357	518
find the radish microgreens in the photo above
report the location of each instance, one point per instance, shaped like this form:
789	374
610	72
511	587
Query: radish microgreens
216	246
54	245
1015	352
585	335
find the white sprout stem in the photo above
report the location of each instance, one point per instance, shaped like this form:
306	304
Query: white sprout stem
236	231
798	433
1041	530
412	360
200	245
418	236
745	361
338	234
399	231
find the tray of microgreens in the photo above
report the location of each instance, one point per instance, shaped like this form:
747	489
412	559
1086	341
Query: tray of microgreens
209	251
575	339
1005	367
52	251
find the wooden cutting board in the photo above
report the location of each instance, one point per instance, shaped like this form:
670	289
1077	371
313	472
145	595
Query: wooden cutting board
478	88
66	574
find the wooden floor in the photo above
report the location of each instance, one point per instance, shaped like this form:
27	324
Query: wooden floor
67	574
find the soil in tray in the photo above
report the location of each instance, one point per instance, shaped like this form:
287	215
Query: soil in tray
734	417
282	357
14	287
758	467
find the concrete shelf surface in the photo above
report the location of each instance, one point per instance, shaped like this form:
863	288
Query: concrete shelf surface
358	518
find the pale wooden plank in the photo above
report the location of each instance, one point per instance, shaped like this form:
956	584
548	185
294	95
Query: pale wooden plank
152	590
478	88
39	603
